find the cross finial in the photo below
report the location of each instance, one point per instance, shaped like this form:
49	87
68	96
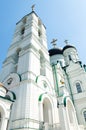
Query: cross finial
66	42
54	42
33	6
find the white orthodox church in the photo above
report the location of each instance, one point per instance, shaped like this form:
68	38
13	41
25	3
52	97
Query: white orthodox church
41	89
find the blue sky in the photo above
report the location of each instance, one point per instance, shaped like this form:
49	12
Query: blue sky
64	19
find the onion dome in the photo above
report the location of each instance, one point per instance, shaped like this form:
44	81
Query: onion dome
55	51
67	47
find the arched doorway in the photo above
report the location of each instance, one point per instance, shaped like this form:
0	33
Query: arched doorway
70	112
47	111
73	124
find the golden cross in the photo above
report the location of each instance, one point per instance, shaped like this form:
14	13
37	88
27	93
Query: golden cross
66	42
33	6
54	42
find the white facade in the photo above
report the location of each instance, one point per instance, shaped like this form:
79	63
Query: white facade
43	90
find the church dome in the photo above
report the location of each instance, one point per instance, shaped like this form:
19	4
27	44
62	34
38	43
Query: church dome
55	51
68	46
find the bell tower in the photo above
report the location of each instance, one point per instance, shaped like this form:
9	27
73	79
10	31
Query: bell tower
27	62
28	51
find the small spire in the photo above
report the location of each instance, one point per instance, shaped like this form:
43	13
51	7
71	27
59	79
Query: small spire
66	42
54	42
33	6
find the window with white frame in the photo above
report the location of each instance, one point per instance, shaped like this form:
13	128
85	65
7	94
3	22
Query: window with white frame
78	87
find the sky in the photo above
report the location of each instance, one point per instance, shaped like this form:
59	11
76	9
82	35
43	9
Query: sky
64	20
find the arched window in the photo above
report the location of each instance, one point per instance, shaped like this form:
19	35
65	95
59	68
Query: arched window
18	51
69	57
39	33
22	30
17	58
78	87
42	64
84	114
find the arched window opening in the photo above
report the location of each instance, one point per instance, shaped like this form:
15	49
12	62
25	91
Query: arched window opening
18	51
17	59
22	30
17	55
78	87
9	81
39	33
42	64
47	111
84	114
69	56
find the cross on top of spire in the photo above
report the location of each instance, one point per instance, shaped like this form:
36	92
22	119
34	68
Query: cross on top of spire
33	7
66	42
54	42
